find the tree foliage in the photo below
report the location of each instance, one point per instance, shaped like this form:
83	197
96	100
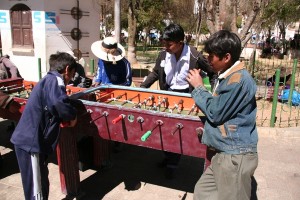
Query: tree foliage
286	11
239	16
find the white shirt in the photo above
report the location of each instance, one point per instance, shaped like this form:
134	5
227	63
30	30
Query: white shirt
177	71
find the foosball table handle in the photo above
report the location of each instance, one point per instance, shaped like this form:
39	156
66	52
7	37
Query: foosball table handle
120	117
146	136
64	124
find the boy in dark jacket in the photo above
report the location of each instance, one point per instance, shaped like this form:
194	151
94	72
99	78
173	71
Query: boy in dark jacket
37	132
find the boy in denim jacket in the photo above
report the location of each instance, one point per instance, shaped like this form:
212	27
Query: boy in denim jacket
230	129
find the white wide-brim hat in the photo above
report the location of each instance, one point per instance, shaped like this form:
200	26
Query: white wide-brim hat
108	49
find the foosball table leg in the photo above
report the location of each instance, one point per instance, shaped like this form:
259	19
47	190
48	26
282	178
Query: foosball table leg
67	158
101	152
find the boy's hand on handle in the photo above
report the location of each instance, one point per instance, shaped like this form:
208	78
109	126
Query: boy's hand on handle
96	84
71	123
14	107
194	78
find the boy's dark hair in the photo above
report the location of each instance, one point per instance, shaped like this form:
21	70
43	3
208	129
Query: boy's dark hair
173	32
60	60
223	42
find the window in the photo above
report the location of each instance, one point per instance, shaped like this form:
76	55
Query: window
21	26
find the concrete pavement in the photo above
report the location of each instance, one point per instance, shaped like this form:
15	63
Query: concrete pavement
134	174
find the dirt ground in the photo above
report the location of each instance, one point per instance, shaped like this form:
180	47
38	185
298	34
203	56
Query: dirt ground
285	115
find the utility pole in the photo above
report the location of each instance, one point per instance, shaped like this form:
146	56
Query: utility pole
118	20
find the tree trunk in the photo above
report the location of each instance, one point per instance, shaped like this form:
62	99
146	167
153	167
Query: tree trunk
132	23
199	21
209	9
245	35
146	39
234	16
218	23
118	20
282	28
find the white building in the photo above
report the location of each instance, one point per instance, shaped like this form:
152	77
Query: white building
34	29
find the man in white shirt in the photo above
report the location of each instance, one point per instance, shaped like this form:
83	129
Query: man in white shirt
171	69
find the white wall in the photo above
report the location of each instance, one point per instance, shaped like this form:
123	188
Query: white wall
48	24
87	24
246	53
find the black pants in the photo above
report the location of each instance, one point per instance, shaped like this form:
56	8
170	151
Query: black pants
25	166
172	159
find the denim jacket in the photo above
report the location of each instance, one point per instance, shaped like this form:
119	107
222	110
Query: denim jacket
231	113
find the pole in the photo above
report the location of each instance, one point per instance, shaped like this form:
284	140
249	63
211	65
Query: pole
40	68
275	99
253	62
92	66
118	20
292	82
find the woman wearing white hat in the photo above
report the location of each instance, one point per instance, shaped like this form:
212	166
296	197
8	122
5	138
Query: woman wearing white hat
113	67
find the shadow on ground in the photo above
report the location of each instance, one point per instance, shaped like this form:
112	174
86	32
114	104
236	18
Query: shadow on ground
134	167
9	160
131	168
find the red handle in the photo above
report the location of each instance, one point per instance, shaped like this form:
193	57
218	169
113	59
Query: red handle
64	124
114	121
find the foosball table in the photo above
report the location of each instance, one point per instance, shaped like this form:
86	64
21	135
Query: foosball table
162	120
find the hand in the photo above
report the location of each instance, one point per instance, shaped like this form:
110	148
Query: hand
14	107
96	84
194	78
73	122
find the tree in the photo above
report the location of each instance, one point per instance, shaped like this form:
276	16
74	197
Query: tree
133	6
142	13
200	6
183	13
227	13
239	16
281	13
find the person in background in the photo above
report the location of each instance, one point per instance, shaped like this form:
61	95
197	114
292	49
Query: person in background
113	67
8	69
171	68
8	103
38	130
80	79
295	46
267	50
230	129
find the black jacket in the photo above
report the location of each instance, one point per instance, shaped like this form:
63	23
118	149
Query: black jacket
197	61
